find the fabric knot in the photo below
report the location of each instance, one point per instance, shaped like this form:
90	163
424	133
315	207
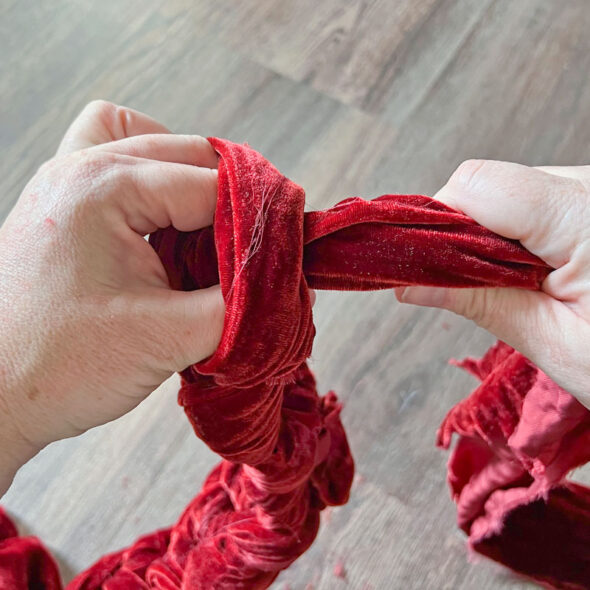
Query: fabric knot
268	330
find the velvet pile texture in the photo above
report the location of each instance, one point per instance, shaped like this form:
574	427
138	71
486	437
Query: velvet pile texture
284	451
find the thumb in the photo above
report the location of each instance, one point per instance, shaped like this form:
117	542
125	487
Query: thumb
189	325
186	326
545	330
529	321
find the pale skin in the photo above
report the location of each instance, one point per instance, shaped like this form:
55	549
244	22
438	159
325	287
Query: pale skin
548	210
90	326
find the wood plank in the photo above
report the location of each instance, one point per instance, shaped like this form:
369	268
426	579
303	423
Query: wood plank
347	98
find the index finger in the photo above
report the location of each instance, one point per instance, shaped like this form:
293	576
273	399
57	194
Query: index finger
181	149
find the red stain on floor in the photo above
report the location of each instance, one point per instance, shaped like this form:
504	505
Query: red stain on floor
339	570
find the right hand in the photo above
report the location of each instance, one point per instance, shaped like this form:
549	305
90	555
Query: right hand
548	210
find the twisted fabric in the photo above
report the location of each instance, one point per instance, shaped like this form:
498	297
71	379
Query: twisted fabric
285	454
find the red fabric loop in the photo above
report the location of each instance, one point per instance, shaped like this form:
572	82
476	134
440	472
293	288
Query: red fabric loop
286	456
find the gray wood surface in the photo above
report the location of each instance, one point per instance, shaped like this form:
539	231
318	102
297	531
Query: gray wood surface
346	97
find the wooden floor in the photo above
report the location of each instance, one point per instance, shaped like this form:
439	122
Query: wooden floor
347	97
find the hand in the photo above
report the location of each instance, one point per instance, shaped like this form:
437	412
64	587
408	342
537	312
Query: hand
89	324
548	210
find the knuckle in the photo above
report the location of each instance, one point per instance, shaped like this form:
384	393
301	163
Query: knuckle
560	208
81	177
50	168
479	305
196	144
199	141
100	107
470	172
111	116
89	167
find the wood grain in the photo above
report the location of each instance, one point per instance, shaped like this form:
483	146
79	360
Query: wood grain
347	97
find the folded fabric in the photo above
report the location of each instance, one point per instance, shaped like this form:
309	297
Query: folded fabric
285	454
520	435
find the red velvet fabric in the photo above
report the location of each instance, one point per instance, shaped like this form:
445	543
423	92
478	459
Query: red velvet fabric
520	435
24	561
285	454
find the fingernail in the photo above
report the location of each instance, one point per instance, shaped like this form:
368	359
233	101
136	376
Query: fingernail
428	296
312	297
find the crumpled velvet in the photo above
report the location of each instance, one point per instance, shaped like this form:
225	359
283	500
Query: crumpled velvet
285	454
24	561
520	435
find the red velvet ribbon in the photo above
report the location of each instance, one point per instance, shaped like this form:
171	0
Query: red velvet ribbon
285	454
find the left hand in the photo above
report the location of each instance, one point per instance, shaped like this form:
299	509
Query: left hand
89	324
